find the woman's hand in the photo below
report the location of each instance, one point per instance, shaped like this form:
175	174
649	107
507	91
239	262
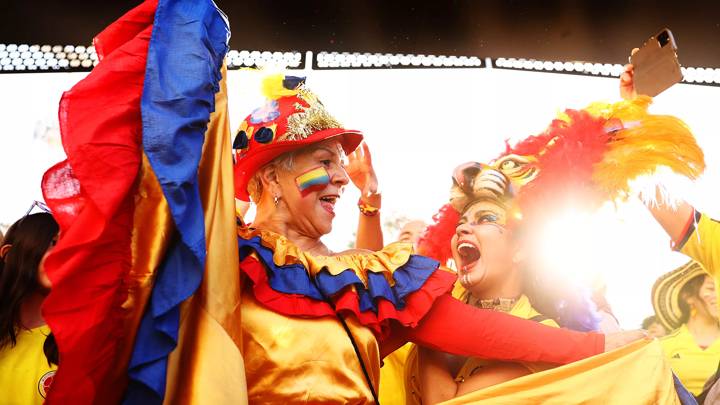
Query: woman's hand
627	82
362	174
619	339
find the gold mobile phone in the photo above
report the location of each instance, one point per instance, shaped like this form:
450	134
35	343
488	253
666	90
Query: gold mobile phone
656	64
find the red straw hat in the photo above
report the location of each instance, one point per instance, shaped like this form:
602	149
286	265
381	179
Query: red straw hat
291	118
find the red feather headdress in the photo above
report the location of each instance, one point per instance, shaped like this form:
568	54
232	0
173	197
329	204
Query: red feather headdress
582	160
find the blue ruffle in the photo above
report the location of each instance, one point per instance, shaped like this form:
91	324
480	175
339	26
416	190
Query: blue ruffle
295	279
183	71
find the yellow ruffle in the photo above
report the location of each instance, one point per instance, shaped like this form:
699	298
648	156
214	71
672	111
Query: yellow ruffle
385	261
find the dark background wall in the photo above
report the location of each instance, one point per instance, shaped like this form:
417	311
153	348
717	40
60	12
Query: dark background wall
596	31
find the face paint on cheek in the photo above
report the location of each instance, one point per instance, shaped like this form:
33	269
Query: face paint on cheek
312	180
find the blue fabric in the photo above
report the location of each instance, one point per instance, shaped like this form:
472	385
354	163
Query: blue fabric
188	44
685	397
294	278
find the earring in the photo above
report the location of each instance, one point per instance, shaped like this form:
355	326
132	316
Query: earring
276	200
693	312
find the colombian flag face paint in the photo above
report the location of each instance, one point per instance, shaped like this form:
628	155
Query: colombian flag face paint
313	180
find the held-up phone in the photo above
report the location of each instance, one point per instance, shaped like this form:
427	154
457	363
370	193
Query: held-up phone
656	64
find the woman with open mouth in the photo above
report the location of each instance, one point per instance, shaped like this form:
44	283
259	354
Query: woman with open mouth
316	323
493	227
493	273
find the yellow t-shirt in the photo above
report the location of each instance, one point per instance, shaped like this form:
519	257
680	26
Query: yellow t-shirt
25	375
392	377
692	364
702	244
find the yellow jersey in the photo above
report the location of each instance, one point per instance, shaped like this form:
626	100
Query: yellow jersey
25	375
702	243
692	365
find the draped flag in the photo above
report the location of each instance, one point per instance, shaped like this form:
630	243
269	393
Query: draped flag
146	264
633	374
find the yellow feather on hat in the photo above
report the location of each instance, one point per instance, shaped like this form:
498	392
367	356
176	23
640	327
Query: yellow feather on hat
273	87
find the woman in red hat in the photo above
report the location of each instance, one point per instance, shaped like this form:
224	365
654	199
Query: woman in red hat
316	323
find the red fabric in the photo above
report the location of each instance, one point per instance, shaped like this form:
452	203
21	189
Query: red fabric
417	304
435	240
566	154
91	195
286	304
454	327
434	319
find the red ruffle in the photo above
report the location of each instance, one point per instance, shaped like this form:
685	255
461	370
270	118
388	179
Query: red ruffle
91	195
417	303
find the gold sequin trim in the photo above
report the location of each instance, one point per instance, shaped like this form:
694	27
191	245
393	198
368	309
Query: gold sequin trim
308	120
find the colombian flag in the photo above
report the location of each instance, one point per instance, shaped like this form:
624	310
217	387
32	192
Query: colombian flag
144	274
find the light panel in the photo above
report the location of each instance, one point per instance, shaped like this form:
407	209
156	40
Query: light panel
24	58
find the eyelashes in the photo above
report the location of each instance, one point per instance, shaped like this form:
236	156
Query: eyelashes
487	218
484	219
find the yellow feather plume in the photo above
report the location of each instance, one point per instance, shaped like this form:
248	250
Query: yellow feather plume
646	143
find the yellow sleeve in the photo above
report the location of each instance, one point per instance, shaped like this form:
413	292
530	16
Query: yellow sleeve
701	243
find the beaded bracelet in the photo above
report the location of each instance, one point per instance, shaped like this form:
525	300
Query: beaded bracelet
367	209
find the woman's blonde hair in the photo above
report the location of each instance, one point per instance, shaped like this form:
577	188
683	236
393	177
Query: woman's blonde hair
285	162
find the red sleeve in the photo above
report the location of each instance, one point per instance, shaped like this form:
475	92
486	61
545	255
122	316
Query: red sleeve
454	327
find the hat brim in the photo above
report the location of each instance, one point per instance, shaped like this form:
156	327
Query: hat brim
666	293
349	140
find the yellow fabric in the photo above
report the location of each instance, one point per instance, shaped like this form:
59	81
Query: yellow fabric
24	371
634	374
297	360
703	246
207	365
273	88
392	376
691	364
290	360
521	309
152	229
385	261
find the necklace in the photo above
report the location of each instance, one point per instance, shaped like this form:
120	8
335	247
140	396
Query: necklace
496	304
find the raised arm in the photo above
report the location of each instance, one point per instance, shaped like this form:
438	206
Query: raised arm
680	220
677	221
362	174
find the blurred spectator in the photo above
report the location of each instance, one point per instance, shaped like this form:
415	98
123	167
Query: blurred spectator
685	302
26	345
654	327
411	231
